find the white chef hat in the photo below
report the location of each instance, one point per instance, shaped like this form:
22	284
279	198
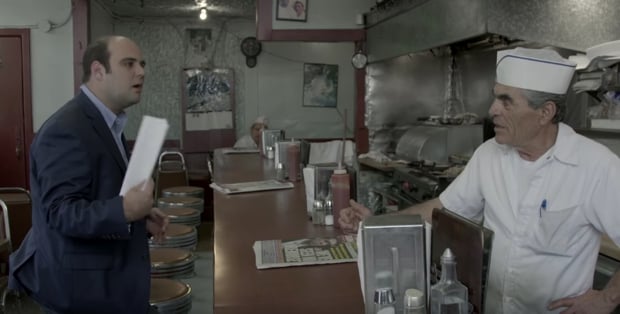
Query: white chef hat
541	70
261	120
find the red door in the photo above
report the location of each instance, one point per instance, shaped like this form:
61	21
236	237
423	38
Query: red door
13	154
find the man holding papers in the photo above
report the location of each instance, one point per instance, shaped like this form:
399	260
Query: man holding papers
87	250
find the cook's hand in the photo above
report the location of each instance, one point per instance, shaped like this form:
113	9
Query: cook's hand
156	224
350	217
591	302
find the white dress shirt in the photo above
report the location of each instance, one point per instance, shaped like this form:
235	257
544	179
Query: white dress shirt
547	235
245	142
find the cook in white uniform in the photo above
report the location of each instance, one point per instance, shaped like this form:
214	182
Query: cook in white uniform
546	192
253	139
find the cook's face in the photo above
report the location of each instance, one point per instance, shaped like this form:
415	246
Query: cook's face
515	121
123	84
256	129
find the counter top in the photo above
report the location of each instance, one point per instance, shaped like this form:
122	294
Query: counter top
244	218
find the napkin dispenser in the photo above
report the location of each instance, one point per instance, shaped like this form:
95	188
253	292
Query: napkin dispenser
393	256
269	137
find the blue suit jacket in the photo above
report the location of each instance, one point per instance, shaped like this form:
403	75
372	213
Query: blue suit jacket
80	256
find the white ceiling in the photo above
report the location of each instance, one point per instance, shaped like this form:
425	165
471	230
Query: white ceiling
179	8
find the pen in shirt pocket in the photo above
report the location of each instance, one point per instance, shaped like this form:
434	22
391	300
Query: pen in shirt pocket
543	206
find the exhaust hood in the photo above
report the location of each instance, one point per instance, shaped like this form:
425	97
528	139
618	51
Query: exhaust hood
570	24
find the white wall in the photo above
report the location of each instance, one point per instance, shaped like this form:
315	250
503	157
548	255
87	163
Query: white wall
51	52
275	88
327	14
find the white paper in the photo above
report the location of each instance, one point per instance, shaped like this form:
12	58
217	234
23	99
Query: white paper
203	121
145	152
240	150
309	183
252	186
360	259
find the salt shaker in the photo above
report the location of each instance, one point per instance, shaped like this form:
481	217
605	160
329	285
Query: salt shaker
318	213
384	301
329	216
280	172
270	152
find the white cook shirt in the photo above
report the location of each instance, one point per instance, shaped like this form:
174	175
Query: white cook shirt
245	142
541	254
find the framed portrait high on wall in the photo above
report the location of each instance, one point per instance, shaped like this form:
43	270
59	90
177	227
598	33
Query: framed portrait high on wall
291	10
208	109
320	85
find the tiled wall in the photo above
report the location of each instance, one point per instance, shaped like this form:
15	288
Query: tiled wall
166	48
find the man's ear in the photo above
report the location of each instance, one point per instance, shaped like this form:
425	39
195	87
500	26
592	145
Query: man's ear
97	70
548	111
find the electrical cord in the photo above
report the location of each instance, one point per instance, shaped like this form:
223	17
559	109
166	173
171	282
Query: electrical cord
63	23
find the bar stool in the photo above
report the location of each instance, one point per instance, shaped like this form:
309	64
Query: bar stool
184	191
171	171
183	215
178	236
20	213
171	263
181	201
170	296
6	249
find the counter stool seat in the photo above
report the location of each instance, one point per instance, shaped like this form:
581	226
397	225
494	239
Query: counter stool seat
178	236
170	296
171	263
183	215
185	191
181	201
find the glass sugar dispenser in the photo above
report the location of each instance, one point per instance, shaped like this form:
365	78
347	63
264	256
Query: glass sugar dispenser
449	295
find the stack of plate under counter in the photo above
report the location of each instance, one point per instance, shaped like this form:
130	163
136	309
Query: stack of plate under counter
170	296
171	263
177	236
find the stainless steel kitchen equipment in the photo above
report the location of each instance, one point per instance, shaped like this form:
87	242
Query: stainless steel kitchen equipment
436	155
394	256
437	142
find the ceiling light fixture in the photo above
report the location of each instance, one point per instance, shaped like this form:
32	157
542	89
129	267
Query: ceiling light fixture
203	14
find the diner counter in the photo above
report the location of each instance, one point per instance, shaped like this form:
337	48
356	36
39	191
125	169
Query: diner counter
244	218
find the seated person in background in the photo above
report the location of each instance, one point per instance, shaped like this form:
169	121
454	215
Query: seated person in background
253	139
547	192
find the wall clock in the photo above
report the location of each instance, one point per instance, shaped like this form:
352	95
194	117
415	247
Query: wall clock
250	47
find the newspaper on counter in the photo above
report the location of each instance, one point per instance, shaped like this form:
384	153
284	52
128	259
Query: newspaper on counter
253	186
312	251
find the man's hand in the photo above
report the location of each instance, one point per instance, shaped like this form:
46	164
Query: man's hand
138	201
156	224
591	302
350	217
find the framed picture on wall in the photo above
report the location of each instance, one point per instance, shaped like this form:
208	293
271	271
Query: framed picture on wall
292	10
320	85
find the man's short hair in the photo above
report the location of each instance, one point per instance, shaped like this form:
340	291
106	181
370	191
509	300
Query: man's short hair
536	99
96	51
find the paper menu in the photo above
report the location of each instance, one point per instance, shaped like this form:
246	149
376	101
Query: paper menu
150	139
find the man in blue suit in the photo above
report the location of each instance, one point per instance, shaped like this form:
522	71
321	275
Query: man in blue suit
87	250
